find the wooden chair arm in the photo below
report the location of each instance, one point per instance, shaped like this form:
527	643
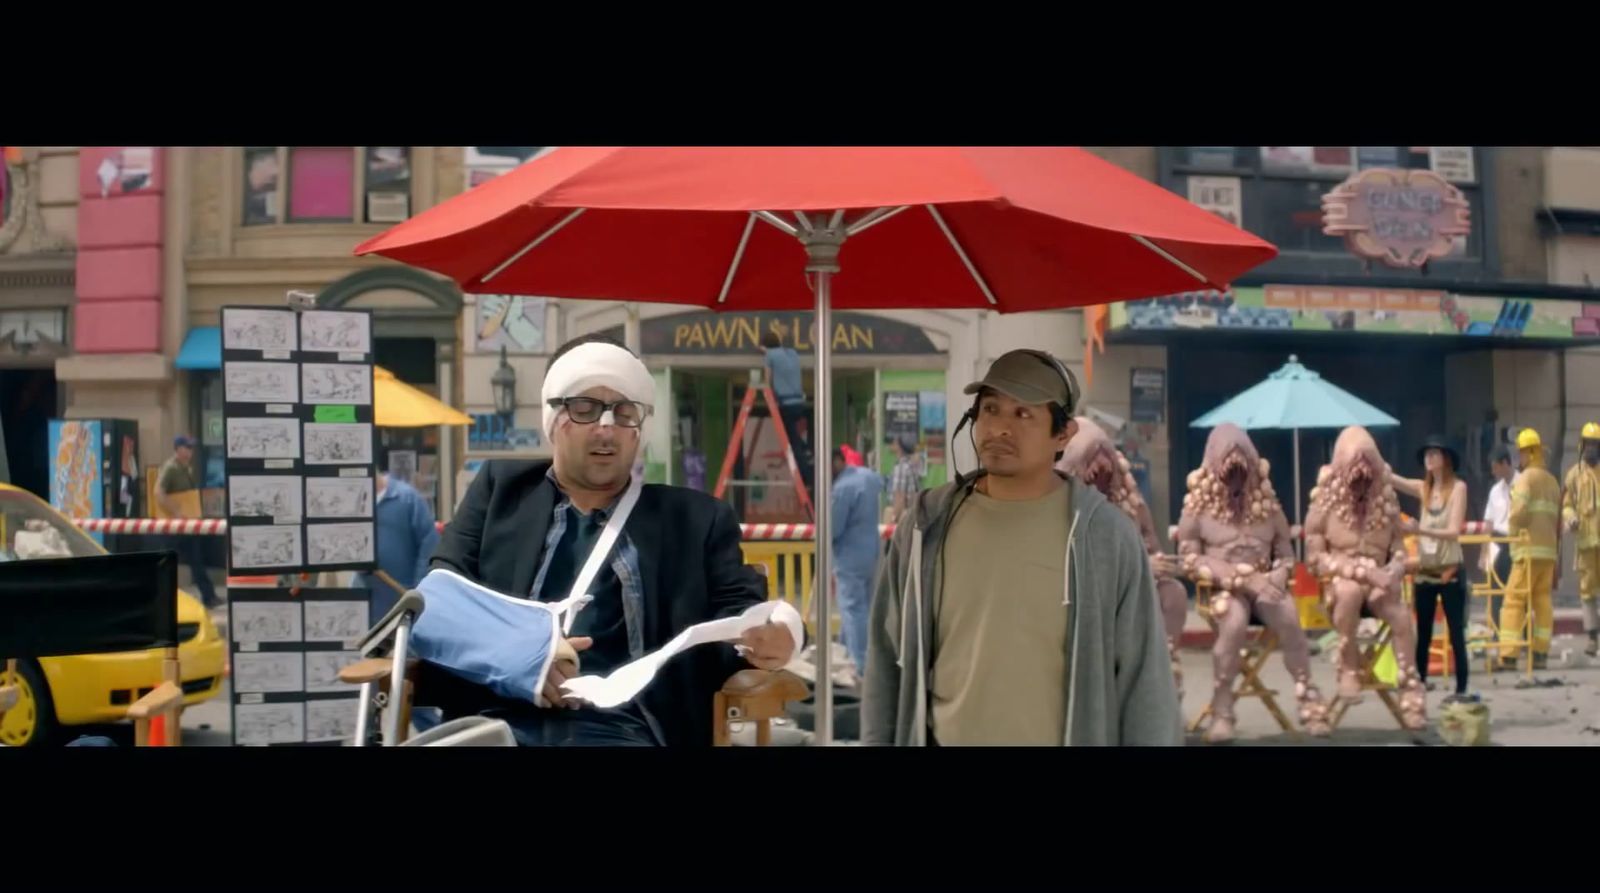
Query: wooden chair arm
161	698
371	669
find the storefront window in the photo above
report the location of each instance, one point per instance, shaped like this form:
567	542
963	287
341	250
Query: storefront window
337	184
321	184
207	424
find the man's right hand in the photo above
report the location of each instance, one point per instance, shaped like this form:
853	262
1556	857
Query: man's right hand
564	667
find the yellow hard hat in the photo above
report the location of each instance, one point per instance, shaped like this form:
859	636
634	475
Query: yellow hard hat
1591	431
1528	439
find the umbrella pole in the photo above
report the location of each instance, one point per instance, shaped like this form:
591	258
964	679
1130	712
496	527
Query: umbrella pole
821	499
1299	542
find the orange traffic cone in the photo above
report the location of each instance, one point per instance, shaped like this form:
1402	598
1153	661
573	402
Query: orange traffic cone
158	731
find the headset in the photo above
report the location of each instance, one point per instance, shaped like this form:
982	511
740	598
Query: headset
1074	396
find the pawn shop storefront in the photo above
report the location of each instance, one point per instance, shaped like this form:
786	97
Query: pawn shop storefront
888	381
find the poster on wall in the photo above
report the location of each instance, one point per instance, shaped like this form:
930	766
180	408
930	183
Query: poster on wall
513	322
1148	395
126	170
901	419
930	425
1454	163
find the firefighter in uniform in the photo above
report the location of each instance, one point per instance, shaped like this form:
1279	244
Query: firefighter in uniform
1535	506
1580	513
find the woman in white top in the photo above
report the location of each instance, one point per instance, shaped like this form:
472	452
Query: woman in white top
1440	576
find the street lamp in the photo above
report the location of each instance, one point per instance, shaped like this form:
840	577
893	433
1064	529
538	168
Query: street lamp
504	383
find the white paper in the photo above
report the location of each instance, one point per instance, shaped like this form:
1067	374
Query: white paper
339	443
265	496
338	544
322	669
335	621
339	497
263	438
331	720
266	622
268	671
625	682
244	329
270	723
260	382
334	331
265	546
337	383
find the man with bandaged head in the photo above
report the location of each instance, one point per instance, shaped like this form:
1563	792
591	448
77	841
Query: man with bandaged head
528	528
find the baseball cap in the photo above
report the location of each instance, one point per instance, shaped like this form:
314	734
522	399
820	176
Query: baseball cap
183	440
1028	377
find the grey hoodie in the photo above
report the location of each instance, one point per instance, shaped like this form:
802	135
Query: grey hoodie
1119	680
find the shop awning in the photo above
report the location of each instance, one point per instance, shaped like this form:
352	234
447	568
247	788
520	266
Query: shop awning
202	349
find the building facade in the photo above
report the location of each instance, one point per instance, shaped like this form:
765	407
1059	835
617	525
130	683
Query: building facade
115	262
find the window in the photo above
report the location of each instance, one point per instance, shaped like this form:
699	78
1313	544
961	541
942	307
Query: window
1279	189
30	529
484	163
326	184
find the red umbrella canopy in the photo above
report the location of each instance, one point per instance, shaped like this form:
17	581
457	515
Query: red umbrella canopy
1010	229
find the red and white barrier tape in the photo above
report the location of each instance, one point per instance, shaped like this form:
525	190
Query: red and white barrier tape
182	526
218	527
794	531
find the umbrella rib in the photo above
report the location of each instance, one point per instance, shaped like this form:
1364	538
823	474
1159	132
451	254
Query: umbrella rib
805	221
534	244
872	218
1164	253
961	253
784	225
738	255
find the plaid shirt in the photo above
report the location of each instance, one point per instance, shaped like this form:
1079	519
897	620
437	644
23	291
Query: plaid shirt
624	563
904	478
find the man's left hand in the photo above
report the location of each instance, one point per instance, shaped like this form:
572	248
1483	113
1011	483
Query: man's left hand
769	646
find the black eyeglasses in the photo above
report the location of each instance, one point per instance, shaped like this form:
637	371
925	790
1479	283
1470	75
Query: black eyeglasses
588	410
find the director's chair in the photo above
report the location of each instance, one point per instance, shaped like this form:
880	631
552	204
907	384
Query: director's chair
752	695
1259	646
54	607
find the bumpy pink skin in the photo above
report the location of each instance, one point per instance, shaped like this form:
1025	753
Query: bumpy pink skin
1355	544
1234	537
1092	458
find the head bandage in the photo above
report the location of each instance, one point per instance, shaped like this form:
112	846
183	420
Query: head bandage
595	365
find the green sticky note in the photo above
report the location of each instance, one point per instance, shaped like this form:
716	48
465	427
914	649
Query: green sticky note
336	413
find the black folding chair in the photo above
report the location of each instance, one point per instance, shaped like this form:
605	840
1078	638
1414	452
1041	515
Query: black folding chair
55	607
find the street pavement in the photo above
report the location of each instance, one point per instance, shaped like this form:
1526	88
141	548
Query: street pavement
1564	714
1567	714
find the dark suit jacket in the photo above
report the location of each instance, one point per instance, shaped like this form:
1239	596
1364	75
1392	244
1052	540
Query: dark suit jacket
689	557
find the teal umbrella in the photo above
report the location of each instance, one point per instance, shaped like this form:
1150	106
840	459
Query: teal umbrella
1292	398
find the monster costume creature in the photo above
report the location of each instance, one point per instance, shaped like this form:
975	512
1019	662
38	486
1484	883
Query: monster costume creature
1354	541
1233	537
1092	458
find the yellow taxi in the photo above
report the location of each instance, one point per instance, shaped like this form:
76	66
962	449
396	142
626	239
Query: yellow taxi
91	688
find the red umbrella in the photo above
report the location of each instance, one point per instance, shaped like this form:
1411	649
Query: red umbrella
1007	229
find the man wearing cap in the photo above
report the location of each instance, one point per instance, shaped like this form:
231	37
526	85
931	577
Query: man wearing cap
1017	607
178	496
1535	501
527	528
1580	514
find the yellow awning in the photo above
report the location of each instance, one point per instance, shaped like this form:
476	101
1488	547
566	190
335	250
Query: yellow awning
399	405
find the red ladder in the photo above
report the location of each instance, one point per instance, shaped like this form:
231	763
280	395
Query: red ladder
736	446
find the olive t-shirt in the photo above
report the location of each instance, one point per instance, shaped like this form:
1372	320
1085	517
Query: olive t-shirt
1000	671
